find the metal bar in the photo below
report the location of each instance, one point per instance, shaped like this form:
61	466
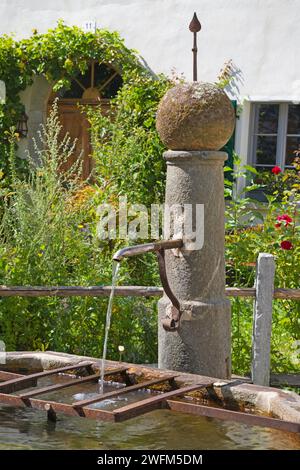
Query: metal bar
8	386
237	416
53	388
71	383
195	51
195	27
136	250
153	403
114	393
119	370
171	321
9	375
51	414
164	279
43	405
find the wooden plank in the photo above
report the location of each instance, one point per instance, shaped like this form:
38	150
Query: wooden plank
240	291
154	403
70	291
126	291
288	294
291	294
8	385
122	391
262	319
43	405
293	380
236	416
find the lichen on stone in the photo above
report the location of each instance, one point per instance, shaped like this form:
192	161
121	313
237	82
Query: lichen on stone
195	116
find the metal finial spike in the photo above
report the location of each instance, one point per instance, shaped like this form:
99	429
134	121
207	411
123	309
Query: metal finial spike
195	25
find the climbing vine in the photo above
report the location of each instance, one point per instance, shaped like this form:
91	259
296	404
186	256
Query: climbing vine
59	55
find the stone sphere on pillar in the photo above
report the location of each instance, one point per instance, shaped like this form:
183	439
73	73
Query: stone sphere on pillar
195	116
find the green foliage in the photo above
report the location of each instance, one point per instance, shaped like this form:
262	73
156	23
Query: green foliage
252	228
59	55
283	184
48	238
49	225
126	147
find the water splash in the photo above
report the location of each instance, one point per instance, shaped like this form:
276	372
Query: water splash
115	272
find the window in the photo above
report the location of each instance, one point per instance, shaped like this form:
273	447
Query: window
99	81
275	134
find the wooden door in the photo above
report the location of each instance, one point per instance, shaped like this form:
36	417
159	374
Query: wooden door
96	86
74	123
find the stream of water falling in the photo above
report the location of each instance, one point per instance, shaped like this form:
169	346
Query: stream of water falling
115	272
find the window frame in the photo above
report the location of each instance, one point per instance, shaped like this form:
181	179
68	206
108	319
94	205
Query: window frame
281	134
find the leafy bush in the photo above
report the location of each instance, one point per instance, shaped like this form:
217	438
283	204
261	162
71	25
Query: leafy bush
254	228
126	147
48	238
59	54
278	183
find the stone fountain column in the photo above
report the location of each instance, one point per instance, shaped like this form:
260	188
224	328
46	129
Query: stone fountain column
194	120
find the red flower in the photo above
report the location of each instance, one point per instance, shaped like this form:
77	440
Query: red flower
286	245
284	218
276	170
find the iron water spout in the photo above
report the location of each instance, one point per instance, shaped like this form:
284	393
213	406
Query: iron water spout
171	321
136	250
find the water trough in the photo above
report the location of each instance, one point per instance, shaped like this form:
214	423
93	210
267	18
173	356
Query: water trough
233	400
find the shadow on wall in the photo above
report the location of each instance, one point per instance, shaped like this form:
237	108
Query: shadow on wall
236	80
231	78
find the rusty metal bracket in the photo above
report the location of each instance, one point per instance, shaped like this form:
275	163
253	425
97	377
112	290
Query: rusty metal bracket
171	322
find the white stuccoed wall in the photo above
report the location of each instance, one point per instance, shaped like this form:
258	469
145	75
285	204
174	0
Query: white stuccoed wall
260	36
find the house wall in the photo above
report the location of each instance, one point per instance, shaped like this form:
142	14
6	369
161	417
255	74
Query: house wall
260	36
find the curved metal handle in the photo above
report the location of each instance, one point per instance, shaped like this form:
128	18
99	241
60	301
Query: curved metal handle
169	323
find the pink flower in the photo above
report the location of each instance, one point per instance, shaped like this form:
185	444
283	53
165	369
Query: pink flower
286	245
276	170
283	218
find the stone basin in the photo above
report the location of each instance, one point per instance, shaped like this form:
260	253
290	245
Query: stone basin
236	394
